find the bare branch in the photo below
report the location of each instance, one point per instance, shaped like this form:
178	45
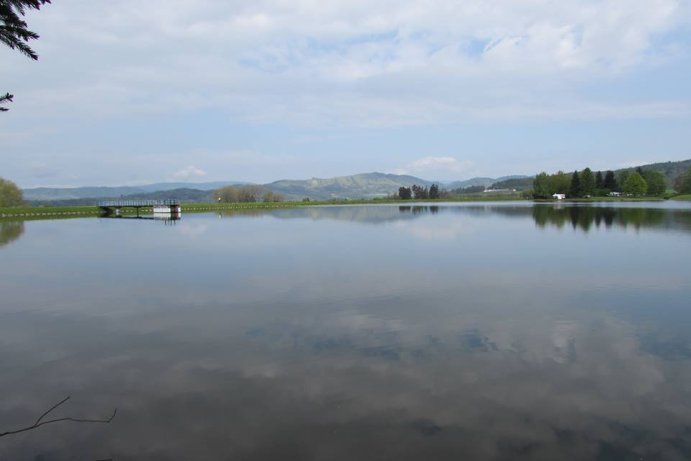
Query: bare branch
51	409
40	423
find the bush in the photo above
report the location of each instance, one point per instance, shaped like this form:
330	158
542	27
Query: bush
10	194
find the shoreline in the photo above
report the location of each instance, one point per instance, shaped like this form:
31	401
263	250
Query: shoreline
93	210
48	212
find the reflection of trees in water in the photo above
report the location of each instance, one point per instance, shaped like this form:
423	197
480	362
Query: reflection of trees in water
10	231
356	213
578	217
418	209
585	218
250	213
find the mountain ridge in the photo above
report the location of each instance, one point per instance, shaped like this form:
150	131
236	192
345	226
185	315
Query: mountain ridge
357	186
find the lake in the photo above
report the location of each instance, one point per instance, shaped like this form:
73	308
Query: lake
457	331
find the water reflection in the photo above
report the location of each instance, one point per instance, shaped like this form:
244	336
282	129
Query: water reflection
166	219
303	334
363	214
576	216
417	209
10	231
345	385
585	218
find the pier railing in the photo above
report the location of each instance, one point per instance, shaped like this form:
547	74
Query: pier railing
137	203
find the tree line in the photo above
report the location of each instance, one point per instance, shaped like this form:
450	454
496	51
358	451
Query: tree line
419	192
585	183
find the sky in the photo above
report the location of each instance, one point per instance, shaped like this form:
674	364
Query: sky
128	92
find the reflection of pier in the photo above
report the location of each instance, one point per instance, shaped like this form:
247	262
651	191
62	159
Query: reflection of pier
170	219
162	209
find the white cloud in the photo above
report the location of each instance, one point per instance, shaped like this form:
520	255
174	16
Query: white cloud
426	230
350	62
204	70
189	172
192	230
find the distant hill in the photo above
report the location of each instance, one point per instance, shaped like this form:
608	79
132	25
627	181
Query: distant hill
359	186
671	170
72	193
184	194
484	182
519	183
367	185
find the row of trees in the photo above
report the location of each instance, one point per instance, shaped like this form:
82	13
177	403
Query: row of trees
10	194
235	194
585	183
419	192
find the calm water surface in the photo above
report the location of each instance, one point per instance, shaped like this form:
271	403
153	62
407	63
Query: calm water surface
491	331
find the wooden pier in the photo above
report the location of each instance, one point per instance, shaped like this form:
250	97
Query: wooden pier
158	207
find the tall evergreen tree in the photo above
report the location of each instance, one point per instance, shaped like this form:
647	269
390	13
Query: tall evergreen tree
587	183
611	181
14	32
433	191
420	192
599	181
575	188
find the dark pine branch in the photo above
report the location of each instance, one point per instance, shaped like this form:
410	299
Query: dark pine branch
13	29
14	32
3	99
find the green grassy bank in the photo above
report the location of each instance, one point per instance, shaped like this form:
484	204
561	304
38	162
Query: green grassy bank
26	212
77	211
48	211
43	212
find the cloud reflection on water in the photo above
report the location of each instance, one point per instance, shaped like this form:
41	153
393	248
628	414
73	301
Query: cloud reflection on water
322	346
